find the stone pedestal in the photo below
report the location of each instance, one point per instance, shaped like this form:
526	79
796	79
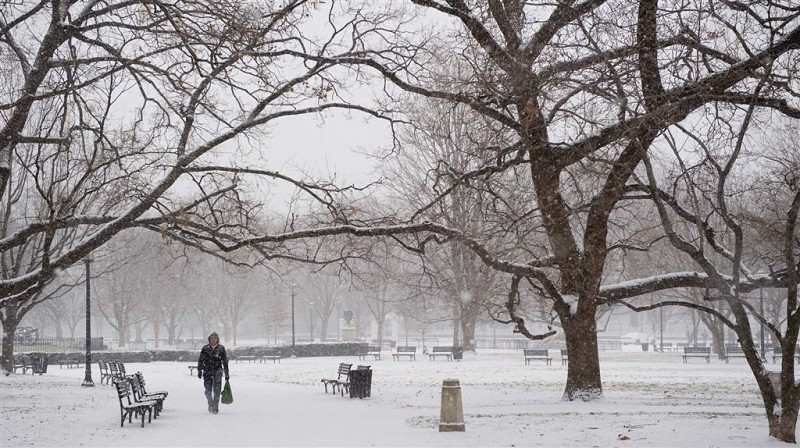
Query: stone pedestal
348	333
451	418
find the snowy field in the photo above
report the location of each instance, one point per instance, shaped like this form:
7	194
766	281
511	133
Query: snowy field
651	400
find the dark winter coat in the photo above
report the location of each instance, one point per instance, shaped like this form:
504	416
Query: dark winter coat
212	359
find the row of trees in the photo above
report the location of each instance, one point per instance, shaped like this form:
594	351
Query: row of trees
144	288
585	152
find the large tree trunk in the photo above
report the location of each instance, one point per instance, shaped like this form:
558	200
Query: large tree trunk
171	334
783	423
783	427
139	331
380	331
59	327
583	372
123	337
10	317
468	333
7	356
717	330
323	328
156	332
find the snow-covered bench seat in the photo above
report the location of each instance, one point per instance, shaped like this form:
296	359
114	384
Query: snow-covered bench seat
411	352
342	379
536	354
447	352
733	351
375	352
696	352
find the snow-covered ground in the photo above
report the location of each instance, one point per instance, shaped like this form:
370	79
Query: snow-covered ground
650	400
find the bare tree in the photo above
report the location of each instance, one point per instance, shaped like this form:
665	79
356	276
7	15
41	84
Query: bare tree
550	73
177	70
705	216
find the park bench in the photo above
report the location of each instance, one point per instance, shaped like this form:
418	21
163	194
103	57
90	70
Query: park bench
117	371
536	354
140	392
374	351
128	406
696	352
139	396
36	364
192	368
343	376
270	355
21	363
733	351
105	373
69	363
411	352
564	357
249	356
447	352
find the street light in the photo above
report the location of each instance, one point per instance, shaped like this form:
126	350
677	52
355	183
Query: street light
87	380
292	286
661	326
761	322
311	313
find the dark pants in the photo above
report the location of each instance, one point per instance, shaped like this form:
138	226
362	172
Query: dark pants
213	384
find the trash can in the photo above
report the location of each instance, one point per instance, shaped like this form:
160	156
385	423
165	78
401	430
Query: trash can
361	382
39	364
458	353
645	346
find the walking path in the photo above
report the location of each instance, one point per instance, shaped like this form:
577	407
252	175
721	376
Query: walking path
651	400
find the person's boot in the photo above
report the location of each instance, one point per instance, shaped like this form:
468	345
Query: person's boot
216	408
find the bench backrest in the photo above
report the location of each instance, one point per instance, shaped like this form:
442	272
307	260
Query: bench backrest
564	352
733	349
697	349
535	352
123	391
404	349
442	349
375	349
114	368
344	370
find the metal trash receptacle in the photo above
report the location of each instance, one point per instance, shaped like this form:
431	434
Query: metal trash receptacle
361	382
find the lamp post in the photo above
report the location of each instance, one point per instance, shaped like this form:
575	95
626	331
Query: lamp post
293	286
661	326
311	314
87	380
761	322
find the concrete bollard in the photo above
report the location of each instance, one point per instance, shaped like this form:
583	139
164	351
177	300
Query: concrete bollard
452	413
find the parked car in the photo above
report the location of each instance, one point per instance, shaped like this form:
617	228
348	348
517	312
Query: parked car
635	338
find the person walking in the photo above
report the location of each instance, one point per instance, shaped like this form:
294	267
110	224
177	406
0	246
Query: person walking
212	364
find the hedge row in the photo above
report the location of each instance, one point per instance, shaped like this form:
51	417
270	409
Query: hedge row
306	350
302	351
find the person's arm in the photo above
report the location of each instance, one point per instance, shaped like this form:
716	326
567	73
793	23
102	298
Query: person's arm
224	356
200	362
